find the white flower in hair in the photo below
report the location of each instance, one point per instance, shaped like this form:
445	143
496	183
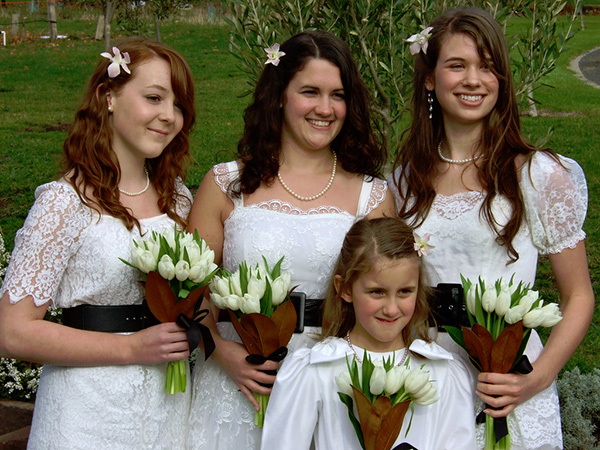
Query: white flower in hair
420	41
421	244
119	60
273	54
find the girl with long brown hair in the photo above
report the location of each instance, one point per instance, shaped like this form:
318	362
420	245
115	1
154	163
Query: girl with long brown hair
102	384
492	203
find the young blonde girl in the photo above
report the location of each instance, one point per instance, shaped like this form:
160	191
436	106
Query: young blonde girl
377	302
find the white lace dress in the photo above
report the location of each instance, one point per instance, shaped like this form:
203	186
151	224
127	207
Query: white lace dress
221	417
69	255
555	208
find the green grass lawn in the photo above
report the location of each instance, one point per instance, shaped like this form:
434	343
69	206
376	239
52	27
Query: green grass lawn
41	83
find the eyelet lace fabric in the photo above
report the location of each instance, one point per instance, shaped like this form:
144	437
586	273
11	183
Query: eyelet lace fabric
69	255
555	199
221	417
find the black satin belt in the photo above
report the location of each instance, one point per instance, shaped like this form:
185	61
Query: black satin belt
447	306
308	310
110	319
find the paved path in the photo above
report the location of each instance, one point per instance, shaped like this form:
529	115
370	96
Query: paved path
587	67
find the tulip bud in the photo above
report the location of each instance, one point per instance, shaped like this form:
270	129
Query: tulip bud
529	299
415	380
514	314
257	287
232	302
166	268
250	304
502	303
377	382
344	383
182	270
488	299
217	300
235	284
533	318
551	315
395	379
280	288
472	299
429	398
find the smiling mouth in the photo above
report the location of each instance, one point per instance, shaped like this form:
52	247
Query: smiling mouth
319	123
160	132
381	319
470	98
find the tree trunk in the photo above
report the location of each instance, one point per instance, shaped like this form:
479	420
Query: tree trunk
157	27
108	13
52	19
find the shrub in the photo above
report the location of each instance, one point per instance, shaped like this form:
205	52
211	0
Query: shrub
580	409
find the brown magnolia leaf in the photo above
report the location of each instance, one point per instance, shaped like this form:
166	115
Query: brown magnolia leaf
485	337
391	426
285	318
370	417
263	331
250	341
160	298
506	347
186	305
476	350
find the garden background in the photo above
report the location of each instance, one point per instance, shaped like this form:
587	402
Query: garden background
41	82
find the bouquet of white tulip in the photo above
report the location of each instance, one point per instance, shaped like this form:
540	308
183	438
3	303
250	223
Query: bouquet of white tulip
178	265
257	300
383	392
501	315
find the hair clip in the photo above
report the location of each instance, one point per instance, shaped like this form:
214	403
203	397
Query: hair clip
419	41
273	54
118	60
422	245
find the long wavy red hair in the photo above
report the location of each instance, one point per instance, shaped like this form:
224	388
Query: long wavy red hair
91	165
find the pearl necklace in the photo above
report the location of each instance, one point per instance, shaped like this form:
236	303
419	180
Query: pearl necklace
455	161
360	360
312	197
135	194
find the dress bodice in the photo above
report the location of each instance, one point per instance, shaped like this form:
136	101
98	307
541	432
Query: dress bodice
68	253
555	200
310	239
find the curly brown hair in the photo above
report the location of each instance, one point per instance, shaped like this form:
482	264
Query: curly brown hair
366	241
89	162
359	149
501	140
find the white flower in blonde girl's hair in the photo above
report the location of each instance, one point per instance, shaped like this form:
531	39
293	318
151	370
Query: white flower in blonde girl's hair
420	41
119	60
273	54
422	245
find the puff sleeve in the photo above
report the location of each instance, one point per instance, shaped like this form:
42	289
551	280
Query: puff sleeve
556	200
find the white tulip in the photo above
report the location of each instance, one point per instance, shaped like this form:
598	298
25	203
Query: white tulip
395	379
551	315
502	303
232	302
236	286
193	252
424	391
344	383
257	287
488	299
166	268
217	300
428	399
529	299
280	287
533	318
250	304
415	380
514	314
471	299
377	382
182	270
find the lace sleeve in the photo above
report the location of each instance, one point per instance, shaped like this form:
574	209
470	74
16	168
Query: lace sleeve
43	246
555	202
225	174
184	201
376	195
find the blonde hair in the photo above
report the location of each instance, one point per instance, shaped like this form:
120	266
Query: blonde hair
366	242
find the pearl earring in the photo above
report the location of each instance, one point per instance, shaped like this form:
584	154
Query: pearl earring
110	109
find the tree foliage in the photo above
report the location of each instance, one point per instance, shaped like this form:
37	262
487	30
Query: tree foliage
376	31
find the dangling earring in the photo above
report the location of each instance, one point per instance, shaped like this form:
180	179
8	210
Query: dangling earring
430	101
